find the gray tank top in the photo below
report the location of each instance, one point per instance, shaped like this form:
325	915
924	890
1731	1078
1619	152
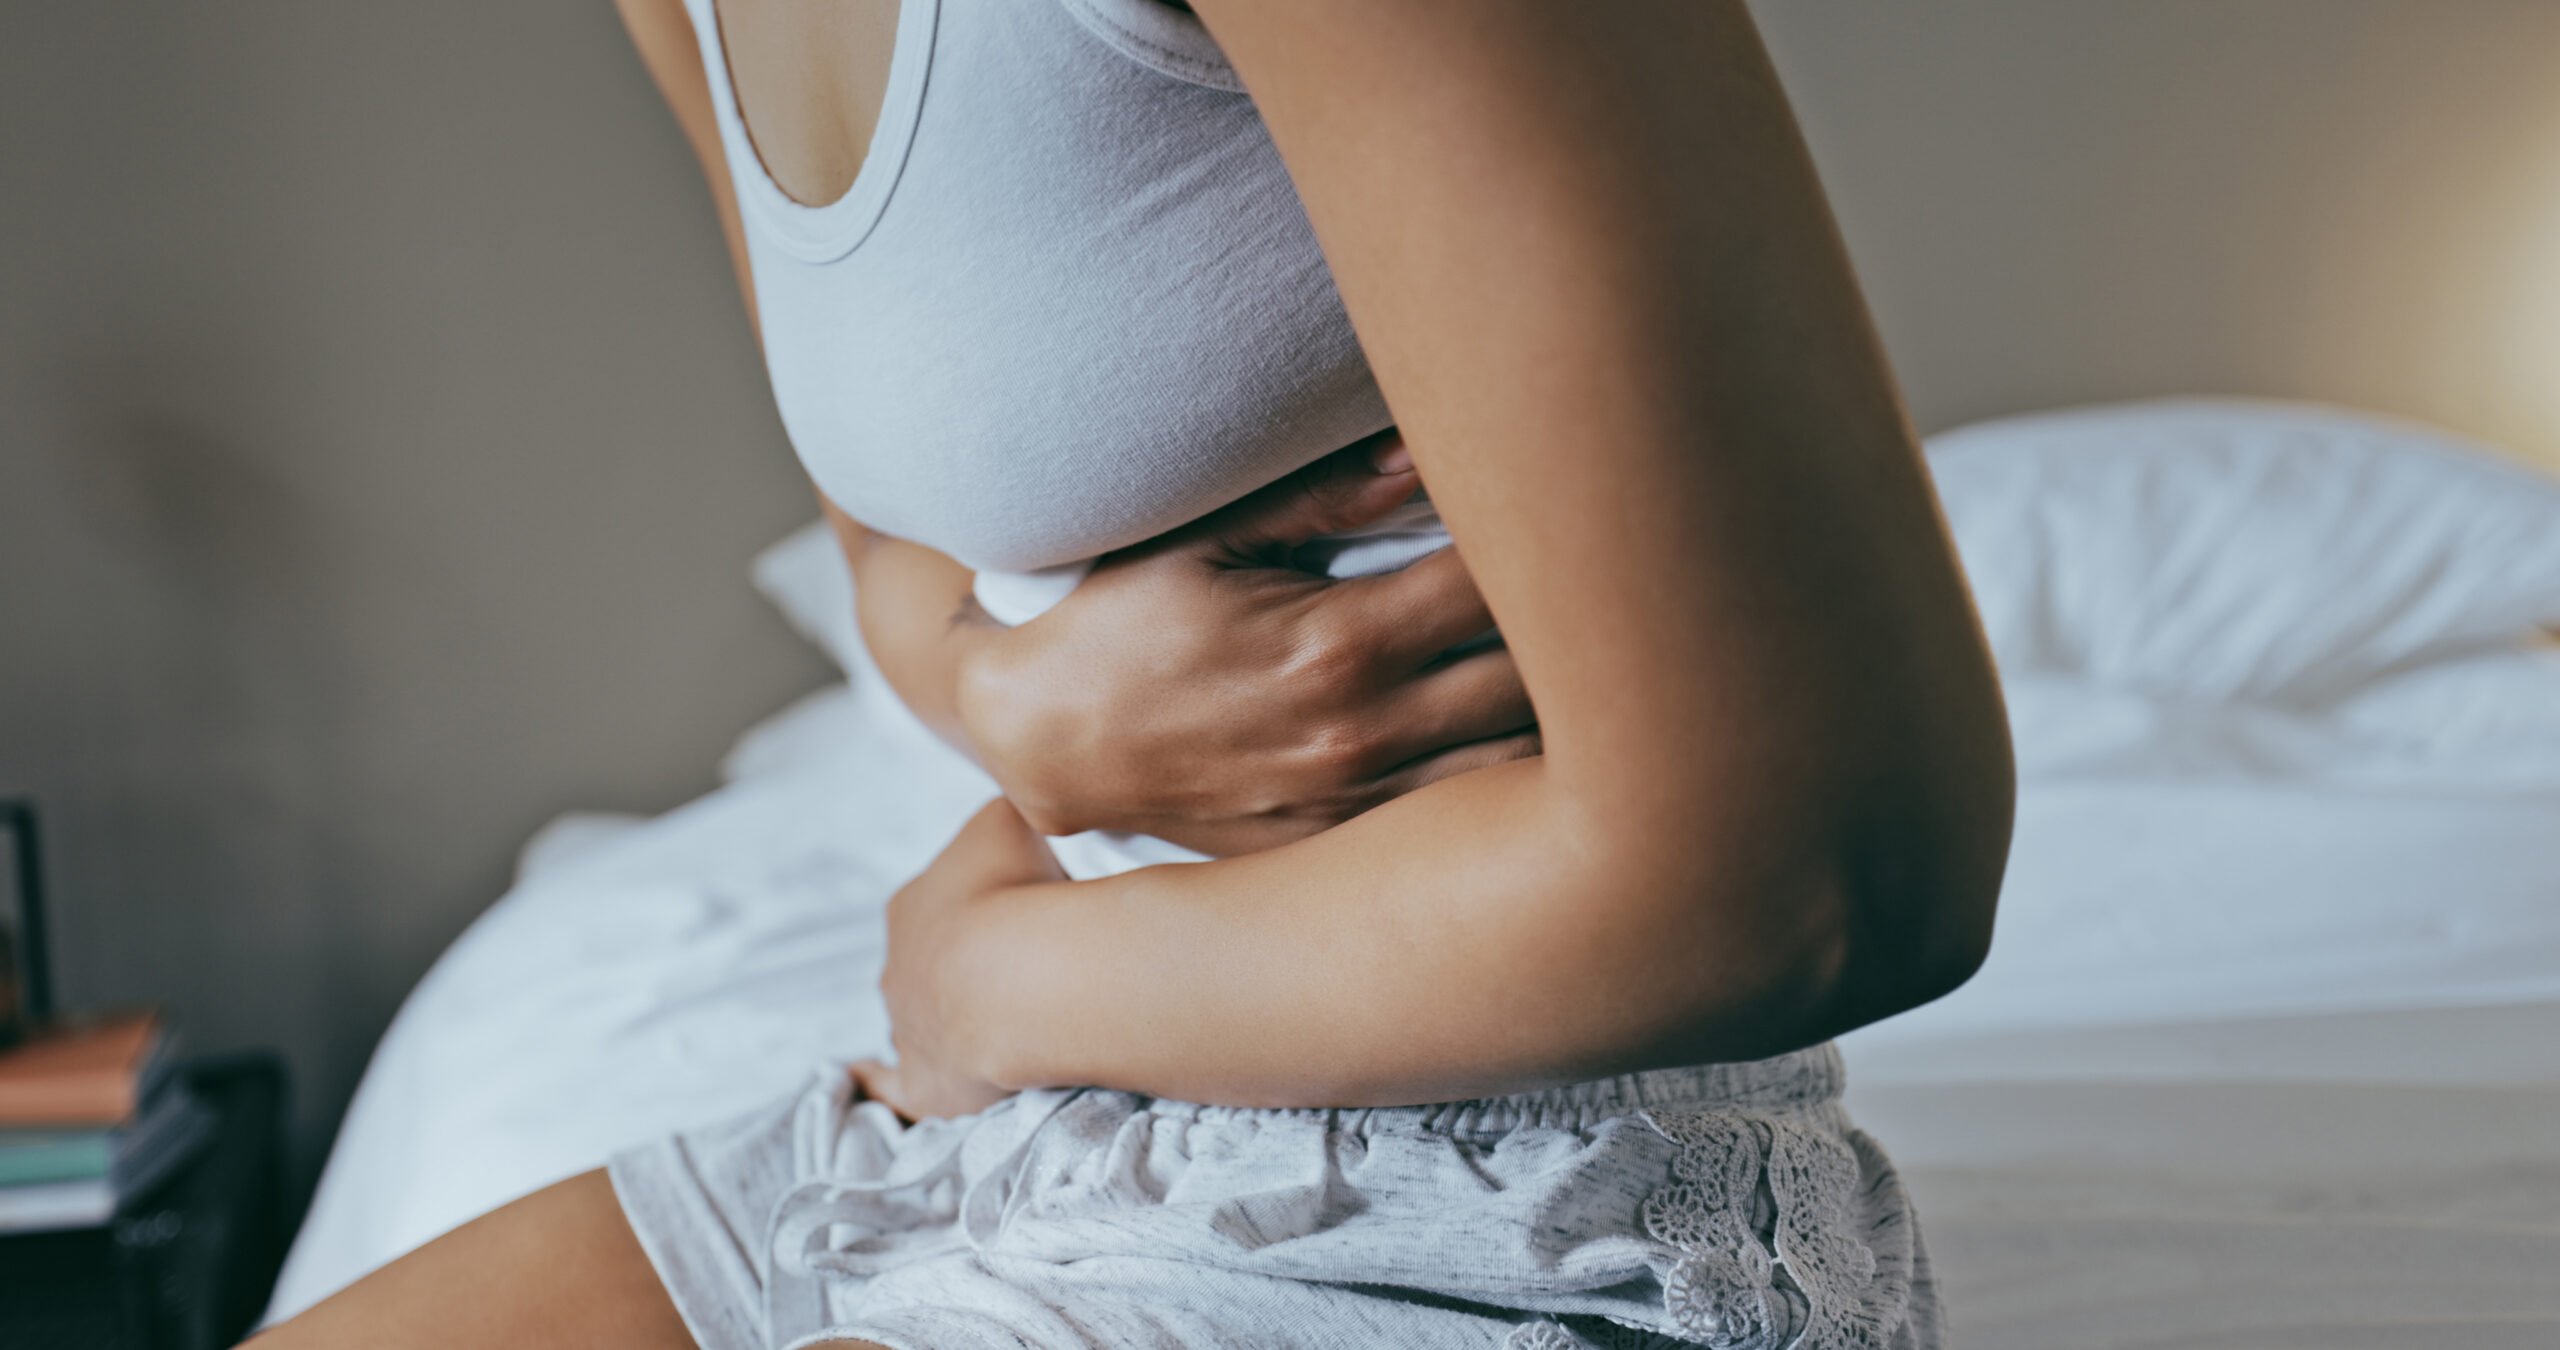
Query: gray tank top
1070	301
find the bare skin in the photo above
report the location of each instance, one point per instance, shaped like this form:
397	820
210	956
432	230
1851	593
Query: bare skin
1594	272
810	78
558	1268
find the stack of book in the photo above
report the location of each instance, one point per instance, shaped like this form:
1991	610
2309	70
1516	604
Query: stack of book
90	1116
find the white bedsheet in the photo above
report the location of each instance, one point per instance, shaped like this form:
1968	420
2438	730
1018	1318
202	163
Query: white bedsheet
2133	901
640	979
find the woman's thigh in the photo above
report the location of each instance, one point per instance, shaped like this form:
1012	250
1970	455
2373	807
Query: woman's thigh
559	1269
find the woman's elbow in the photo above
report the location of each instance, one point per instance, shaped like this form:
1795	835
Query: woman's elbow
1844	935
1833	974
1911	913
1886	967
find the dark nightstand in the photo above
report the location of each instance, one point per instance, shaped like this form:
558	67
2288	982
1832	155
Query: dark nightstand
186	1266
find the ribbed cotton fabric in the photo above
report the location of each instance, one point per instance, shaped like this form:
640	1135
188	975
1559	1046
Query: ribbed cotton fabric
1069	302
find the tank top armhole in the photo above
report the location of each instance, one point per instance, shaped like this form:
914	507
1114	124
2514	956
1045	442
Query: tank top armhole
819	234
1158	36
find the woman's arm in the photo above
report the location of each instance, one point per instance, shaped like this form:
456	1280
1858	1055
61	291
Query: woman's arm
1591	262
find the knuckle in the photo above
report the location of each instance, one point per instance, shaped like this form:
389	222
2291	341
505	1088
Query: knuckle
1334	497
1331	652
1353	801
996	703
1342	747
1275	805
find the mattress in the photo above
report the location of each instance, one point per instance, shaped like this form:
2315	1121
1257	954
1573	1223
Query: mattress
2253	1065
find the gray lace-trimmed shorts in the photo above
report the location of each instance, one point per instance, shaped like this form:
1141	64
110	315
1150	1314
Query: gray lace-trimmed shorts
1727	1205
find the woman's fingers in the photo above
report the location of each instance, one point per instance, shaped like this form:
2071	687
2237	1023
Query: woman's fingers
1414	614
874	1081
1460	759
1000	848
922	1092
1344	490
1474	698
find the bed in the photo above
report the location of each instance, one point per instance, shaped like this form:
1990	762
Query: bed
2267	1053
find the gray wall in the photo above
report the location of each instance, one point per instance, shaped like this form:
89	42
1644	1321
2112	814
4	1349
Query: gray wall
2063	200
381	444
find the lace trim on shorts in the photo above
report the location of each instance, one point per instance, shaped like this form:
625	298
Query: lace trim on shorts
1587	1333
1782	1246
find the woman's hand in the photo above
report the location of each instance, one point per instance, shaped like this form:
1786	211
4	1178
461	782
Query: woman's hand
995	851
1199	689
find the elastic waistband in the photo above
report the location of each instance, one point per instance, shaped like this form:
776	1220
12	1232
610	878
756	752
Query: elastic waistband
1800	1080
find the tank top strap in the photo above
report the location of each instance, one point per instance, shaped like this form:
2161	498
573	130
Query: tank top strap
823	233
1160	37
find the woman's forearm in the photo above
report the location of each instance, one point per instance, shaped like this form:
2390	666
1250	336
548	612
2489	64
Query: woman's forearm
1394	959
1483	935
918	620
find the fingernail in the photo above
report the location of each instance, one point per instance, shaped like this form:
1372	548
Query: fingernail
1392	457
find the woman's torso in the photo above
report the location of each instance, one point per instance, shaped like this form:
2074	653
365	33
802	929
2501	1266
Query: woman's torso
1069	301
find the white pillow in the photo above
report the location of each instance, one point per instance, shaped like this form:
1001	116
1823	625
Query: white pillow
2472	724
805	577
2488	721
2228	549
